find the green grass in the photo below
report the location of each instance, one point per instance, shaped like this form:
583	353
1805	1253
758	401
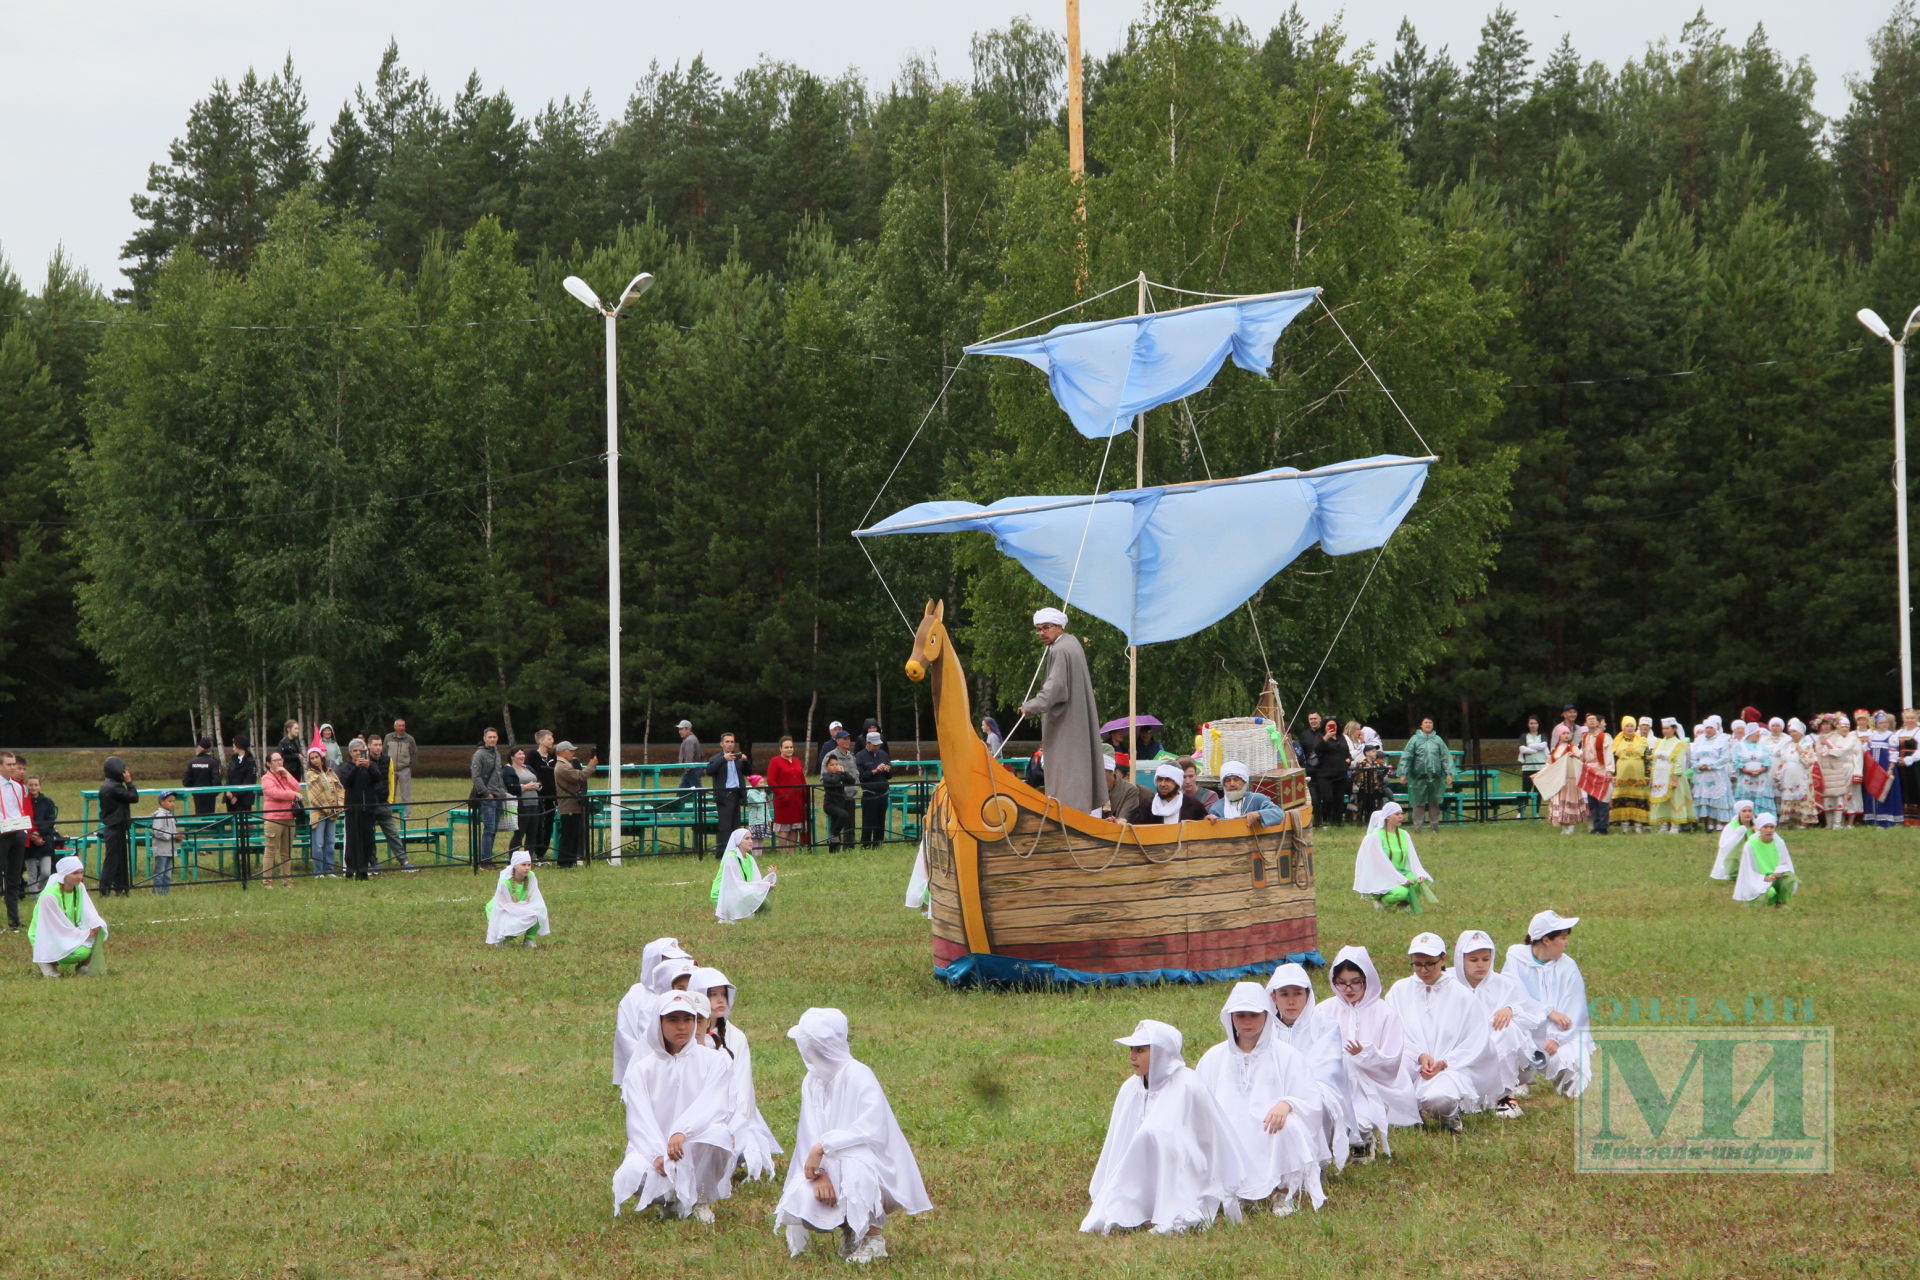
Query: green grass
341	1080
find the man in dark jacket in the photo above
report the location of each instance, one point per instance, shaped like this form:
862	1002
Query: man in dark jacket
876	770
728	771
383	816
242	771
203	771
293	753
541	760
117	797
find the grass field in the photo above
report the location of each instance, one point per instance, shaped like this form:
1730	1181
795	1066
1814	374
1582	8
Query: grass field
341	1080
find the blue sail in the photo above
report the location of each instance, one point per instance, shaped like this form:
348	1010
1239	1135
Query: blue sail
1164	562
1104	372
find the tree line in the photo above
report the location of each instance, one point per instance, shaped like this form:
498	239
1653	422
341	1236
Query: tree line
336	450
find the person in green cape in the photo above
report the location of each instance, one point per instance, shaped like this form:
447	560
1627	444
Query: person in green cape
1387	868
739	889
65	928
1427	766
1766	868
517	909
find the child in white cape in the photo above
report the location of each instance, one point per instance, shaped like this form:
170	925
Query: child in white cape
1766	868
1547	973
753	1139
1371	1042
739	889
65	928
1732	836
1298	1022
670	968
1387	868
679	1097
853	1166
1513	1019
1267	1094
516	909
1170	1158
1446	1049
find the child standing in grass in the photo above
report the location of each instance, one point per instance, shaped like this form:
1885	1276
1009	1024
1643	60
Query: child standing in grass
1766	868
1548	974
163	836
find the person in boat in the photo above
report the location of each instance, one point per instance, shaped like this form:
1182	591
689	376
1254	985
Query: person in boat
1266	1092
1239	800
1190	782
1170	803
1446	1049
1069	722
679	1098
1125	797
1387	868
1169	1160
1766	868
852	1166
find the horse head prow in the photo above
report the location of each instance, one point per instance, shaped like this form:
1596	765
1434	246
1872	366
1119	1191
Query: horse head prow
930	642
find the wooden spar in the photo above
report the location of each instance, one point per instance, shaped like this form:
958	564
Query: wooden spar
1076	145
1133	650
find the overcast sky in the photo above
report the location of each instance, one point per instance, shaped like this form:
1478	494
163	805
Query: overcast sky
91	93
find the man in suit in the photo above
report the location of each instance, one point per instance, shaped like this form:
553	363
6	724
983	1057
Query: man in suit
728	772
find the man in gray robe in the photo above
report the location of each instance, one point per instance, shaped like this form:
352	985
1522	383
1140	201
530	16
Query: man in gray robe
1069	724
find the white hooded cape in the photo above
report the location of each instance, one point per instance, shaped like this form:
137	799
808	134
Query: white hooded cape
1245	1085
1373	871
1442	1020
634	1017
1316	1036
864	1154
1732	836
1557	987
1751	884
689	1093
1514	1044
1377	1082
740	894
753	1138
55	936
1170	1157
509	919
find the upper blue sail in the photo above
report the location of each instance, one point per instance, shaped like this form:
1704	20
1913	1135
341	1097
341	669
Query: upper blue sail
1164	562
1106	371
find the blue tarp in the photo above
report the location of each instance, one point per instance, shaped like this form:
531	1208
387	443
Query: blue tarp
1162	563
979	969
1104	372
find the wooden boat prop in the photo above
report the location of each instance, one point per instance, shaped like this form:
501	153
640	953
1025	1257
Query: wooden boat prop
1027	891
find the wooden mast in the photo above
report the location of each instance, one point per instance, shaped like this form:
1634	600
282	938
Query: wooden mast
1076	142
1139	482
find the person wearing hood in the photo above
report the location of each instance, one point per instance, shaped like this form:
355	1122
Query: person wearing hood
664	967
753	1141
1238	799
1732	837
1371	1043
1669	794
739	889
1426	763
1170	1158
1766	868
1266	1092
330	747
1444	1037
1548	974
516	909
1513	1020
679	1099
1299	1024
1170	803
65	927
1387	868
854	1166
117	797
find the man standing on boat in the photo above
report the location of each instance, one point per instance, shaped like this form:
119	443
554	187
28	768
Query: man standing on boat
1069	723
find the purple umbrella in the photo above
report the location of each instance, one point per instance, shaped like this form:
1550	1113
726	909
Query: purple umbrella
1143	722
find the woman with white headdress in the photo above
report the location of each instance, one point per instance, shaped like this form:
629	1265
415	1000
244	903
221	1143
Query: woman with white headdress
1753	768
1170	1158
1299	1024
1387	868
1668	789
739	889
1632	767
1567	807
1266	1092
670	967
65	928
1727	855
1513	1020
679	1098
1766	868
852	1166
516	909
1886	807
1712	775
1840	765
753	1139
1793	766
1543	968
1371	1043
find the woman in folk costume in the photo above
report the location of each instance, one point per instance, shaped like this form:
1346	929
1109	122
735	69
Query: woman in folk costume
1712	775
1513	1020
679	1097
1766	868
1299	1024
65	928
1862	730
1267	1093
1840	765
1547	973
516	909
1752	768
852	1165
1727	856
739	889
1170	1158
1596	772
1387	869
1567	807
1668	790
663	965
1794	766
1907	740
1632	765
1445	1037
1884	805
1371	1041
753	1140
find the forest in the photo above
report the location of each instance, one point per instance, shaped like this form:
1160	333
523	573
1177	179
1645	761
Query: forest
337	449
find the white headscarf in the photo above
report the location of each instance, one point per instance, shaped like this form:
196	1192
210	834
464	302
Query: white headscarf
1732	836
656	951
705	980
1373	870
1749	883
821	1038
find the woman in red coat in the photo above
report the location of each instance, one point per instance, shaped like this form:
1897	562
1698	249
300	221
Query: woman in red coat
788	778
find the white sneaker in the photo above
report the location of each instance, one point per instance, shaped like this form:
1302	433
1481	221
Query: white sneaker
1519	1091
703	1213
532	943
1284	1204
49	970
871	1249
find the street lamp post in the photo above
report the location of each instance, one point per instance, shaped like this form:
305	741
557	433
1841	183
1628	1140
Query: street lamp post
581	290
1871	319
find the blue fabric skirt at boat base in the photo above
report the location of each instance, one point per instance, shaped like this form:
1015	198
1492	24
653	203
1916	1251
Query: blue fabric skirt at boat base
987	970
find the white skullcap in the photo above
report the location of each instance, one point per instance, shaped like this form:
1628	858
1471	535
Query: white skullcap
1054	616
519	856
1765	820
1776	723
1169	771
1795	725
1232	769
1669	720
1715	721
1107	761
67	866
